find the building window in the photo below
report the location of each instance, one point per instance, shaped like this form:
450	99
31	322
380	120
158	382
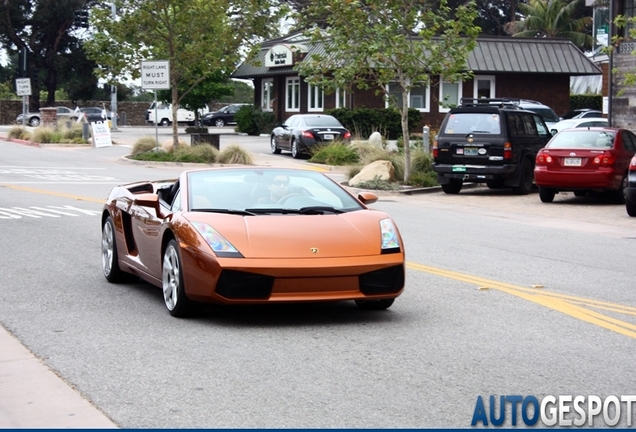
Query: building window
418	97
292	94
316	98
629	10
267	95
484	86
450	95
341	98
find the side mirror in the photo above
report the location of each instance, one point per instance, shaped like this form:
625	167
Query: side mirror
147	200
367	197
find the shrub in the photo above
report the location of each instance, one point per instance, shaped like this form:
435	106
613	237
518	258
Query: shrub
151	155
364	121
143	145
235	154
72	134
336	153
197	154
252	121
378	184
19	132
194	129
46	134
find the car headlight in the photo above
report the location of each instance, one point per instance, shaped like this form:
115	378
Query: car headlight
390	239
219	245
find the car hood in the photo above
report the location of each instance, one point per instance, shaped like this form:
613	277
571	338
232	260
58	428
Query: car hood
298	236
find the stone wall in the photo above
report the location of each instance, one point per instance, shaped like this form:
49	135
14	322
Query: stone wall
130	113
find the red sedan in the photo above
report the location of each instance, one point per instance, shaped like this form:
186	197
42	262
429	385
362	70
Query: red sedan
585	160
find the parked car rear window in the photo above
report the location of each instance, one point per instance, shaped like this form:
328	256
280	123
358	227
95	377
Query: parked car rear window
576	138
465	123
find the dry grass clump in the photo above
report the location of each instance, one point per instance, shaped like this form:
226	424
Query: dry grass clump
143	145
46	134
19	132
235	154
202	153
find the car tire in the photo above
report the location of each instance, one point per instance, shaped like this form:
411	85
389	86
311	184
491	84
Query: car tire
175	299
164	122
294	149
34	122
546	194
526	179
374	304
619	195
219	123
110	259
273	146
630	206
452	187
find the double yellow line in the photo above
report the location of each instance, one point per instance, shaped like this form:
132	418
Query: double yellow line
577	307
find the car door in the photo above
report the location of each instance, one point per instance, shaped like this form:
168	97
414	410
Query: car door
287	131
627	151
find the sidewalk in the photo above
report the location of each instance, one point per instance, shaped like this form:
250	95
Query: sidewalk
33	396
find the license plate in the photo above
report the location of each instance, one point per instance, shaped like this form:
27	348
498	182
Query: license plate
458	168
469	151
572	162
327	136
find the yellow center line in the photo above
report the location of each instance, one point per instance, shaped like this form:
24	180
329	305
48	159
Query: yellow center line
566	304
53	193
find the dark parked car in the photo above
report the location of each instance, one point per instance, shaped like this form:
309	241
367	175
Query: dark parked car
222	117
33	118
630	190
490	141
300	132
585	160
96	114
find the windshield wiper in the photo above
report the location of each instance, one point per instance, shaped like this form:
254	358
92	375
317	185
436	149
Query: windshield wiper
228	211
319	210
313	210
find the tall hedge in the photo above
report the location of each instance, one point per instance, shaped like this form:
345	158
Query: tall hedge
252	121
594	101
362	122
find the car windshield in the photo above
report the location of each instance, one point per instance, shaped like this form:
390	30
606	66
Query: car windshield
322	121
251	192
477	123
546	113
582	138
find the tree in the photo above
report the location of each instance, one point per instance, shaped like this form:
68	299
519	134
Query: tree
553	18
377	43
200	38
43	27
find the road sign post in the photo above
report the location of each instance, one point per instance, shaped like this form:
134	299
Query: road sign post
23	88
155	75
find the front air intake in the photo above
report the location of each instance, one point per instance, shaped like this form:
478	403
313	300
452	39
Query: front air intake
234	284
386	281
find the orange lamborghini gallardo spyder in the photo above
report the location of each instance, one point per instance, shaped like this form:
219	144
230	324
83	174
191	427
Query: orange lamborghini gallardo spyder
252	235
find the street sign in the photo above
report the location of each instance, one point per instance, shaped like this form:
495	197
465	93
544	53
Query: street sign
23	86
155	74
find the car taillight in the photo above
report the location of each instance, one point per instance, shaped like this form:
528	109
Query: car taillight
604	159
544	159
632	164
507	150
307	134
435	149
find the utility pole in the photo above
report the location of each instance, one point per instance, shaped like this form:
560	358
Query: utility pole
113	88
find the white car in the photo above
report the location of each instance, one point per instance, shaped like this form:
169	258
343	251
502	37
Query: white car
578	123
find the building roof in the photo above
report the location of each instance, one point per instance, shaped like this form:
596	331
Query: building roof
491	55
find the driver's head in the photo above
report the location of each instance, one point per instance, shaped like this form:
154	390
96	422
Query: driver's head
278	187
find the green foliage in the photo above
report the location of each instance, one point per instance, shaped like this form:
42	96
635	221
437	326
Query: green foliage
363	121
46	134
152	156
379	184
553	19
336	153
197	154
235	154
593	101
143	145
7	91
252	121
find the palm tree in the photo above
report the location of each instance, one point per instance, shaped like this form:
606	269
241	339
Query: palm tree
552	18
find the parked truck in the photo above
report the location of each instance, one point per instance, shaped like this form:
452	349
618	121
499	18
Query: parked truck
164	114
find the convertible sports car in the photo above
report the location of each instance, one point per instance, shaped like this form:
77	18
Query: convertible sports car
252	235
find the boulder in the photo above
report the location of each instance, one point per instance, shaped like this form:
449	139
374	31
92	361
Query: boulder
376	139
168	144
381	169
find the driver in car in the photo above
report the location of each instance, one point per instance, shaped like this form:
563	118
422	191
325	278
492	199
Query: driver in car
277	189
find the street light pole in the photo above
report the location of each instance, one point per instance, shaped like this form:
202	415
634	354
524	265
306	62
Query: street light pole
113	88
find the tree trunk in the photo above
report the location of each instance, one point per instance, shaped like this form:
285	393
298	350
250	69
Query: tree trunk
175	107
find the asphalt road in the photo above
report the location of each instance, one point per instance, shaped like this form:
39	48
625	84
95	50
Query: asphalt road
505	295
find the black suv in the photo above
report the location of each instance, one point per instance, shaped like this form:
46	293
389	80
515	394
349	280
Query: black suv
491	141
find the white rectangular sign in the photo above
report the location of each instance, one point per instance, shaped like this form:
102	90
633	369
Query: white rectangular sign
101	134
155	74
23	86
